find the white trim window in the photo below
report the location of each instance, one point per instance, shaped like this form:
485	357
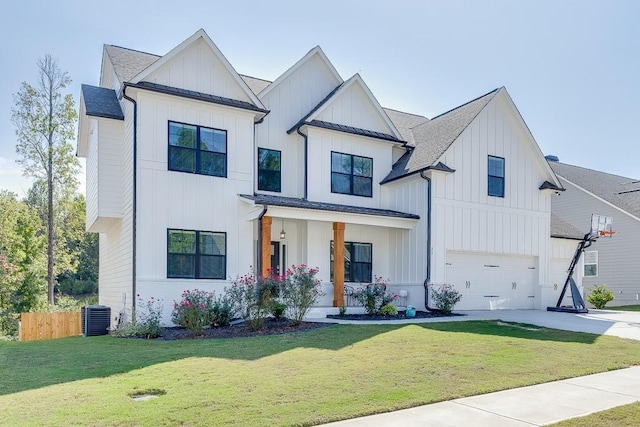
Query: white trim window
590	263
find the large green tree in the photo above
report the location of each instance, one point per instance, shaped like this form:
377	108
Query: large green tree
45	122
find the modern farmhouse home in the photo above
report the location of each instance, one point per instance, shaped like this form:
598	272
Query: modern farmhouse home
196	174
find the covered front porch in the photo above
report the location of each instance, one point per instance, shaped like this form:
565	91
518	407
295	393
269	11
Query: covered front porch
290	231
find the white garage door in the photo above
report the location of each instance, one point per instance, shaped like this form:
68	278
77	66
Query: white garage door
492	282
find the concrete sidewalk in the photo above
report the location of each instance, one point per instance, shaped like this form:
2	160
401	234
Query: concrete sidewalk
527	406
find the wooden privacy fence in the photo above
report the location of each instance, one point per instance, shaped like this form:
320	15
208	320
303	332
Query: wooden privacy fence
43	326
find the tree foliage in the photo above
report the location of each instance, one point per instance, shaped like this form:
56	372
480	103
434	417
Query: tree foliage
45	122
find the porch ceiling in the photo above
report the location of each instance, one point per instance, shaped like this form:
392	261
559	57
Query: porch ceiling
293	208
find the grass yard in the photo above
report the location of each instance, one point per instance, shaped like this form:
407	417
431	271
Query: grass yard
625	308
622	416
308	378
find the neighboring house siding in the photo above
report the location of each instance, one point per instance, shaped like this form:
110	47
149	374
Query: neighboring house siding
561	254
290	100
116	244
178	200
322	142
618	256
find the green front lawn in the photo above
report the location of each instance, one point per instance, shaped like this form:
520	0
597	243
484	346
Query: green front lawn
625	308
323	375
622	416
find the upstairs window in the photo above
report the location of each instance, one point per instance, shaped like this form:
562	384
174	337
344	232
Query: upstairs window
496	176
269	170
357	262
197	149
196	254
351	174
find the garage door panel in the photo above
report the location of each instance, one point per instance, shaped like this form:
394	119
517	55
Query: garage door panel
492	282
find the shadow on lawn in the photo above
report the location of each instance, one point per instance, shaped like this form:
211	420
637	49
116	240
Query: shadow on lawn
36	364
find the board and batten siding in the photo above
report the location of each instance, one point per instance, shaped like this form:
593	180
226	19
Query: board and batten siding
116	244
466	218
618	256
179	200
288	102
322	142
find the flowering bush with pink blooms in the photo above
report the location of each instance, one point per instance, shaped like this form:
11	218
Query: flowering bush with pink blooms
300	291
193	310
146	321
374	296
252	296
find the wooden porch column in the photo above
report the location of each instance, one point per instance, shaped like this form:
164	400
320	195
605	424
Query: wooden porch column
338	264
265	250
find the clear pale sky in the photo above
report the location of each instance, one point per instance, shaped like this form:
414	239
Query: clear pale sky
572	67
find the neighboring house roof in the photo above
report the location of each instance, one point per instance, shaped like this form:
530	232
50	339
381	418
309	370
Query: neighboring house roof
620	191
433	137
291	202
128	63
101	102
255	84
404	122
564	230
196	95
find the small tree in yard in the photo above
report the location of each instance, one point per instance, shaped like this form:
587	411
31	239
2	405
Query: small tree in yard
600	296
45	121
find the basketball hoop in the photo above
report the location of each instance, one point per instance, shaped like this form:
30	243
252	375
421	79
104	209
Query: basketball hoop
606	233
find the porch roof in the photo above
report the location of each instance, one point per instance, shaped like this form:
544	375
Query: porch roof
290	207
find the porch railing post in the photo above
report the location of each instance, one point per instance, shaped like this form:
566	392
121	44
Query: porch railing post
265	250
338	264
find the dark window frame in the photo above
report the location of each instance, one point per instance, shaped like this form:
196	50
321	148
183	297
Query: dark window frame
351	175
351	271
198	150
279	190
197	255
495	178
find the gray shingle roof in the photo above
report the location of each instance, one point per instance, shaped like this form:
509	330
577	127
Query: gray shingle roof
255	84
290	202
354	130
433	138
560	228
128	63
404	122
191	94
618	190
101	102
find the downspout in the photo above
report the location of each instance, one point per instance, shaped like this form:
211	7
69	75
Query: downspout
306	162
427	281
259	255
135	192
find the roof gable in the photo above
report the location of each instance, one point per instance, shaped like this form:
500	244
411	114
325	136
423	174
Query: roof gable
619	191
314	54
127	63
197	65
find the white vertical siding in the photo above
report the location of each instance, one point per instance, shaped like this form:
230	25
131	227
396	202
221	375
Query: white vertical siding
290	101
92	173
618	256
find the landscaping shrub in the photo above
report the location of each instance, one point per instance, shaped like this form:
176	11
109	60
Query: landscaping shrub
300	291
388	310
445	298
146	322
374	296
193	311
600	296
252	296
221	311
277	309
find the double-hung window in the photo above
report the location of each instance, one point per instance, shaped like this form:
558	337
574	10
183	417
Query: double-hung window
196	254
357	262
590	263
197	149
351	174
496	176
269	170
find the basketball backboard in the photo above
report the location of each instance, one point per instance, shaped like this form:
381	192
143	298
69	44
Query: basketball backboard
601	225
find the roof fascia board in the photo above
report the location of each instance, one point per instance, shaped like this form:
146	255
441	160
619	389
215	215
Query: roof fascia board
182	46
356	78
284	76
600	199
505	95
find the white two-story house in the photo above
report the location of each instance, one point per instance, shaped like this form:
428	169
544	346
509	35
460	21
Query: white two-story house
196	174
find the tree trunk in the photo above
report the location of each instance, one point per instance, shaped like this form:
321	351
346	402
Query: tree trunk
50	278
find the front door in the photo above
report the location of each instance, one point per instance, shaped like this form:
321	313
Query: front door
275	258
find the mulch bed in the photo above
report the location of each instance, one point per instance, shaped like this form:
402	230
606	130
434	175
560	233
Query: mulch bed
239	330
400	315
